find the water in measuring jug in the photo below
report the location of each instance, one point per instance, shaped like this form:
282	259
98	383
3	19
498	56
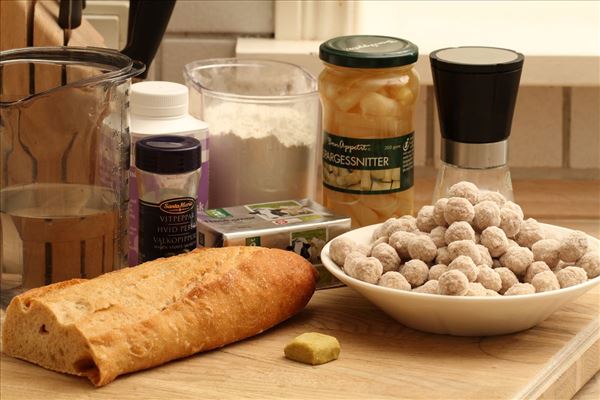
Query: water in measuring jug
53	232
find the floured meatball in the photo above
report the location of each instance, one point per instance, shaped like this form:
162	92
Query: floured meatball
571	276
383	239
530	233
476	289
466	190
487	213
465	248
495	240
437	270
342	246
416	272
517	259
520	288
489	278
486	257
573	246
438	235
487	195
535	268
438	212
422	248
430	287
465	265
548	251
458	209
443	256
590	262
425	221
366	269
515	207
460	230
388	257
394	280
453	283
545	282
508	278
510	221
400	242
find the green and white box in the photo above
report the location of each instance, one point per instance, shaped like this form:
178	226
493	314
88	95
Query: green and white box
302	226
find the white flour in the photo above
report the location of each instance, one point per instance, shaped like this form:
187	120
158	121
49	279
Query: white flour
288	125
260	153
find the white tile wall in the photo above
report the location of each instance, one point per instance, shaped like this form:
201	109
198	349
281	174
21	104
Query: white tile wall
231	16
585	128
176	52
536	136
201	29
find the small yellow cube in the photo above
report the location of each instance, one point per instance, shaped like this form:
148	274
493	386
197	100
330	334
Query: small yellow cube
313	348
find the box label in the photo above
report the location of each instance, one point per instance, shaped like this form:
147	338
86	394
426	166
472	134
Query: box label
253	241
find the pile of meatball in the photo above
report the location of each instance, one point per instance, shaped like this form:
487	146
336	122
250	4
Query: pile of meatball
473	243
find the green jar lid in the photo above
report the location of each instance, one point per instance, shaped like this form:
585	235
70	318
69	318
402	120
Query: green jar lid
365	51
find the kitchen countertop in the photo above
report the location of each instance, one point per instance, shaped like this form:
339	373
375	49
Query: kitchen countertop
380	358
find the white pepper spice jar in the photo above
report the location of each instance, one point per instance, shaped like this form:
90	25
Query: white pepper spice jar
167	169
161	108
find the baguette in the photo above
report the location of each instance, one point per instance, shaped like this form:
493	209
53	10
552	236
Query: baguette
140	317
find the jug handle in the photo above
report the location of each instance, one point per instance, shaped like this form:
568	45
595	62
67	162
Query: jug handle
69	15
147	24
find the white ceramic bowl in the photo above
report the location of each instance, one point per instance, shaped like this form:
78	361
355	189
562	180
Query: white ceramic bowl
458	315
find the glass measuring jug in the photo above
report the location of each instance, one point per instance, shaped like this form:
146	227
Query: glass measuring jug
64	156
264	122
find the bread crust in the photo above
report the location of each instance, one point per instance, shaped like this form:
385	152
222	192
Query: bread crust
140	317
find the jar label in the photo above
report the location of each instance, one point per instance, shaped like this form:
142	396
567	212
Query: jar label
166	228
368	166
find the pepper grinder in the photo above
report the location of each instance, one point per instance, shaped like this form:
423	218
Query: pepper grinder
476	91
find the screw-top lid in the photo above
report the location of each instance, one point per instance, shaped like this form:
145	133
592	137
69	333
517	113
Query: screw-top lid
168	154
476	59
365	51
476	91
159	99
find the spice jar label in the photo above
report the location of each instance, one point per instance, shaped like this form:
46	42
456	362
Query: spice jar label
368	166
167	228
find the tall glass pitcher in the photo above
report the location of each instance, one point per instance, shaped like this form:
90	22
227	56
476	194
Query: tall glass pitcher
64	155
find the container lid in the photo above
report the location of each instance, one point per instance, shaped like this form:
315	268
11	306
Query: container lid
159	99
476	92
168	154
476	59
185	125
366	51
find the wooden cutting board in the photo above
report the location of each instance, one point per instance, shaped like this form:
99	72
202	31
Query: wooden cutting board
380	359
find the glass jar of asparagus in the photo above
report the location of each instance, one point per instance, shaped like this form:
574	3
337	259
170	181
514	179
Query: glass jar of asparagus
368	90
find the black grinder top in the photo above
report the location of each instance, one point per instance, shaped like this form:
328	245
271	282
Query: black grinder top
476	91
